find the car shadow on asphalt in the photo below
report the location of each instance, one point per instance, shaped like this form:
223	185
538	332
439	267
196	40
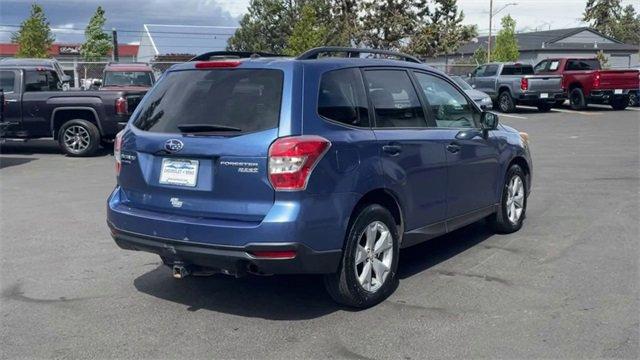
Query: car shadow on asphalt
9	161
291	297
40	146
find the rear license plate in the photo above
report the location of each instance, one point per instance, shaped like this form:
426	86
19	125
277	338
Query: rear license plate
544	96
179	172
617	91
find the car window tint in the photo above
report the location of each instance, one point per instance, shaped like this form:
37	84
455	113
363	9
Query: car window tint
7	81
491	70
394	99
582	64
40	81
542	66
517	70
479	71
342	98
245	99
448	105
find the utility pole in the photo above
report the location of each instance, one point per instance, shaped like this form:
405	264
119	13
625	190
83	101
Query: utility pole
490	24
114	54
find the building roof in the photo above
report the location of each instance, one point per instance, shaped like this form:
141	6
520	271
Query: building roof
186	39
57	49
551	40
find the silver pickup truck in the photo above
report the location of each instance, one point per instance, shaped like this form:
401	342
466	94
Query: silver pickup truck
510	84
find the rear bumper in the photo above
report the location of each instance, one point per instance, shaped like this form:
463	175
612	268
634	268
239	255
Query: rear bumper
232	259
533	97
607	95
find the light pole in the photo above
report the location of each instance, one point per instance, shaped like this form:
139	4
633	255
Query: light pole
491	15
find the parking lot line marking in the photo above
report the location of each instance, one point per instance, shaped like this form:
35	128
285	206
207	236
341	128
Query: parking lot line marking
634	109
512	116
567	111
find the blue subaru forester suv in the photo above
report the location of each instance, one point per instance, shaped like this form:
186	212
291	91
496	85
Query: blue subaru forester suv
326	163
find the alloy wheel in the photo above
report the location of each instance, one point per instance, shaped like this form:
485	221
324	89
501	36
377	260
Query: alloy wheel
373	256
77	138
515	199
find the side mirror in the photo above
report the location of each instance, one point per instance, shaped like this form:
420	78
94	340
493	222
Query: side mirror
488	121
97	82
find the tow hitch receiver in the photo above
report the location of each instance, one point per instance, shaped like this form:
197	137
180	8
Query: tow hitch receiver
180	271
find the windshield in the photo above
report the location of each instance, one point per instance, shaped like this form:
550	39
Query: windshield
213	101
463	84
128	78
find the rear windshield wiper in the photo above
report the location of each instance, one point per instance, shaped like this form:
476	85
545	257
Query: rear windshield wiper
203	128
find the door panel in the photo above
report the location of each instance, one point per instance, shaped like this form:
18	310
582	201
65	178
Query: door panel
472	164
412	155
10	84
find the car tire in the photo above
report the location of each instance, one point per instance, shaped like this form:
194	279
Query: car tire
357	282
513	203
577	100
634	100
505	102
79	138
544	106
620	103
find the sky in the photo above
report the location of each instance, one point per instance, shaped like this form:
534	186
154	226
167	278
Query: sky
128	16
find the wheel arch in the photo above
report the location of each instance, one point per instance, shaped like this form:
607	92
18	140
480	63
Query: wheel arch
63	114
524	165
383	197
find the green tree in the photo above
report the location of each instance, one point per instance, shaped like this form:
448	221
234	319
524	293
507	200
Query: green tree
604	61
442	32
343	16
506	48
602	15
627	29
388	24
97	42
34	36
265	27
480	56
307	32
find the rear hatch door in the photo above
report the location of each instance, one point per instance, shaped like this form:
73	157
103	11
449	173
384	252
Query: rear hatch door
199	142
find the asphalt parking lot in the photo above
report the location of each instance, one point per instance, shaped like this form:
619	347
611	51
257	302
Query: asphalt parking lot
565	286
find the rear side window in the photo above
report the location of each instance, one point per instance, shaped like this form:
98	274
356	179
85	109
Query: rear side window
221	100
41	81
517	70
582	64
342	98
394	99
7	81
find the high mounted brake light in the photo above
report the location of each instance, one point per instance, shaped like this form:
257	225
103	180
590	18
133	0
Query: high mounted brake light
292	160
216	64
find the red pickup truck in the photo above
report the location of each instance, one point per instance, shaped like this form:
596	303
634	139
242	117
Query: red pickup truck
584	82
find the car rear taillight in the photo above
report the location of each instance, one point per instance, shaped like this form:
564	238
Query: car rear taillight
122	108
117	151
292	159
596	80
216	64
524	84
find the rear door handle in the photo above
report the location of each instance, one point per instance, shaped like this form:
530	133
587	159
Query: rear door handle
392	149
453	148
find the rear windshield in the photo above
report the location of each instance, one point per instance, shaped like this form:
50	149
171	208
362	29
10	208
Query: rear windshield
221	100
517	70
128	78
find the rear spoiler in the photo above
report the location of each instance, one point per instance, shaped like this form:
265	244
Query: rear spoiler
226	55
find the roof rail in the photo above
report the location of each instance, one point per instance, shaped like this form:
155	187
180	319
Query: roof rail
354	52
221	55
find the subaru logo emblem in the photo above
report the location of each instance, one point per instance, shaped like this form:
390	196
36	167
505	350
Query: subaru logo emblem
173	145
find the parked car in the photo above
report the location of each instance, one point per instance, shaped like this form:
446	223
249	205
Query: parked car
584	82
483	100
314	164
511	84
634	96
47	63
80	120
134	76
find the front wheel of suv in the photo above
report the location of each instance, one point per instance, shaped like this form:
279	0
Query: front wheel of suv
367	273
513	203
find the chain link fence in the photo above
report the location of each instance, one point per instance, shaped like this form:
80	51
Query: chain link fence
83	74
